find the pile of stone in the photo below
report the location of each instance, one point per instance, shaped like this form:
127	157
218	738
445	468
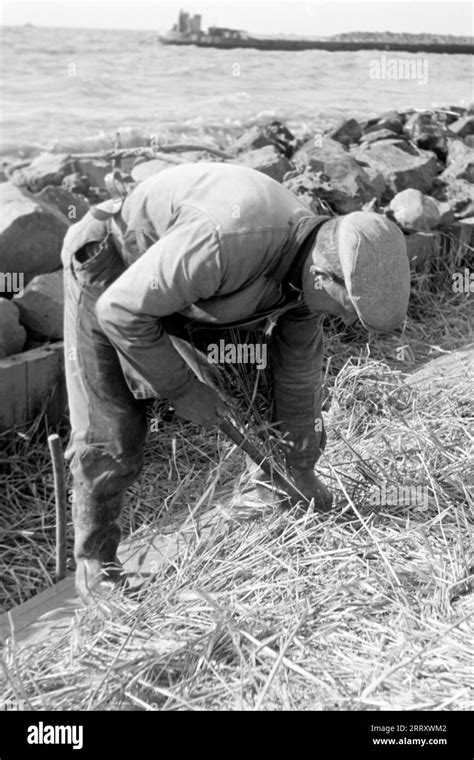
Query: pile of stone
39	200
417	167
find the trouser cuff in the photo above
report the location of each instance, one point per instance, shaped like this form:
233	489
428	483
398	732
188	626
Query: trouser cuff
96	533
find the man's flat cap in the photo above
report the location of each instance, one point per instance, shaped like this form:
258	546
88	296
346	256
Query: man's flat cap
374	262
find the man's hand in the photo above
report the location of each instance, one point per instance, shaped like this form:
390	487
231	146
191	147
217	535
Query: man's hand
201	404
304	480
311	487
93	578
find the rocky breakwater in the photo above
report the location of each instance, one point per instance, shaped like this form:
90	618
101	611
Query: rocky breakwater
416	167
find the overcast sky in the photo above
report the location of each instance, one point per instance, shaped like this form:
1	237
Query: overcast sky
310	17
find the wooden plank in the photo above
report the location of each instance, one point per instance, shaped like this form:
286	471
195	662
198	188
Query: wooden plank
50	613
27	382
12	391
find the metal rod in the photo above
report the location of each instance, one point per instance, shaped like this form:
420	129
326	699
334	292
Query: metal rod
55	448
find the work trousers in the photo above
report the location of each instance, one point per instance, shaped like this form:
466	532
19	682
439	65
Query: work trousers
107	404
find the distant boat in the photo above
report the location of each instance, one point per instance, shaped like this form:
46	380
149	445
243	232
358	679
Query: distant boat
188	32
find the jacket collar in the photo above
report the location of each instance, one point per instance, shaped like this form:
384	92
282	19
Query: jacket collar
305	235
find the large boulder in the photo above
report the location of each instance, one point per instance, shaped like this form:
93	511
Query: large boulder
459	162
42	306
346	132
459	195
267	160
95	169
275	133
455	112
391	120
76	183
282	138
315	152
31	233
378	134
377	180
463	127
46	169
428	131
414	211
346	189
71	205
252	139
401	164
12	334
340	179
311	190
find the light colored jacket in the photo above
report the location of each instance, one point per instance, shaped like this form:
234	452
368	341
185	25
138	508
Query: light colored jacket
215	243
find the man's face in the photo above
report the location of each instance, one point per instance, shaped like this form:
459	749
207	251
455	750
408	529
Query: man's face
326	295
338	302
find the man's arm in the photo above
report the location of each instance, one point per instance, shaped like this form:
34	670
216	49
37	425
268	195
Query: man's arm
297	357
180	269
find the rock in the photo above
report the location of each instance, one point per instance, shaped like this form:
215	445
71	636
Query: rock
377	180
252	139
267	160
459	195
72	206
42	306
344	184
346	132
379	134
95	169
428	131
422	247
346	189
401	164
31	233
391	120
414	211
316	151
308	187
76	183
457	110
463	126
12	334
47	169
282	138
469	140
146	169
459	162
